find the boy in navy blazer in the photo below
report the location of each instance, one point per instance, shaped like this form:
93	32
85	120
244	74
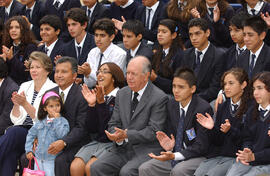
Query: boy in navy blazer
188	142
33	11
82	41
10	8
132	32
59	8
205	59
94	11
257	58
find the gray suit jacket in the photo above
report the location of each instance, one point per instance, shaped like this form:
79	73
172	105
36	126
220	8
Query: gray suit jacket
148	118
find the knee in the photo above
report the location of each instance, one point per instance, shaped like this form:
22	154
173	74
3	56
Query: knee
178	171
124	172
77	165
144	168
95	167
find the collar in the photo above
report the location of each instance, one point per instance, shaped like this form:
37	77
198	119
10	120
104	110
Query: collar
258	51
82	42
154	7
60	1
140	92
186	107
50	120
210	7
127	4
1	82
267	108
166	51
107	52
92	8
32	8
113	92
66	91
50	48
14	44
133	52
7	9
257	7
237	103
204	50
244	47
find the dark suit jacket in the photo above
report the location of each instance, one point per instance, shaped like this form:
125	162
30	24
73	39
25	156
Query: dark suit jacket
165	83
75	111
49	9
16	64
198	146
6	89
211	69
262	63
16	9
148	118
70	50
230	57
143	50
37	14
99	12
159	15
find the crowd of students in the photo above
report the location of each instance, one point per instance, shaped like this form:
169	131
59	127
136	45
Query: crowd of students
136	88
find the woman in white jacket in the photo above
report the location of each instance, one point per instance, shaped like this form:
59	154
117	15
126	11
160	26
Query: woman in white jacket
23	115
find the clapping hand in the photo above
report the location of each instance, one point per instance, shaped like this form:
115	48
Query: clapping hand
84	69
118	24
165	141
164	156
89	95
100	94
8	52
245	156
205	121
18	99
225	127
216	16
118	136
195	13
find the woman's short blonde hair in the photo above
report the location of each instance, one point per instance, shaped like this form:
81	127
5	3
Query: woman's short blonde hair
43	59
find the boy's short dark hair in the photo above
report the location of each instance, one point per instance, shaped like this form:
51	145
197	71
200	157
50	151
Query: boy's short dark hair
105	24
198	22
256	23
3	68
187	75
76	14
238	20
134	26
52	20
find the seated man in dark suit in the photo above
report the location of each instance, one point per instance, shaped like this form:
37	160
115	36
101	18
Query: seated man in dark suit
75	108
82	41
59	8
94	11
205	59
10	8
7	87
184	152
257	58
139	112
132	31
32	10
50	28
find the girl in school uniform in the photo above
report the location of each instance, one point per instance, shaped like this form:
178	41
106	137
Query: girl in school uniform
168	56
254	157
18	43
225	133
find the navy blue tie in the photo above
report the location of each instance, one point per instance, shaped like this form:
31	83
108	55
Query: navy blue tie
6	16
211	12
148	25
179	136
27	14
197	62
253	12
262	112
56	4
251	65
134	103
235	106
100	59
78	52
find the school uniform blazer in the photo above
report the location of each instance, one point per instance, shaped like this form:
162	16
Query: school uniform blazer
57	50
220	34
16	64
6	89
100	11
231	56
149	117
75	111
28	89
211	69
37	14
143	50
262	63
165	84
16	9
70	50
49	9
159	15
198	146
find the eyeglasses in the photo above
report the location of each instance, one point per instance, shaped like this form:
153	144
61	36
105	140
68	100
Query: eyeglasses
102	71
